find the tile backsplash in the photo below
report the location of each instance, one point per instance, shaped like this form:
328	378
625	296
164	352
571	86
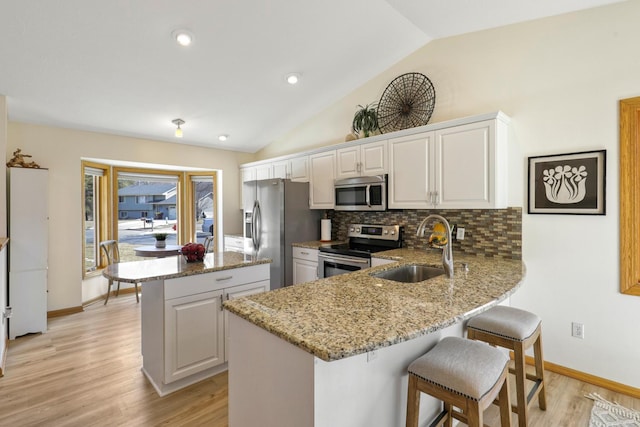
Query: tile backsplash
488	232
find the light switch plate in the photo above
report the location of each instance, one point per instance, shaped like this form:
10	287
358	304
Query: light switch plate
460	233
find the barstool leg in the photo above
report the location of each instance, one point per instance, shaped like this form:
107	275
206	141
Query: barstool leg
505	404
537	352
413	402
521	394
474	415
448	422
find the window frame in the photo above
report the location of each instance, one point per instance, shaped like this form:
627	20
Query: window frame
103	212
190	203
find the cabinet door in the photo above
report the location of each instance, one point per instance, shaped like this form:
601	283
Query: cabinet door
263	172
348	162
194	335
280	169
248	174
410	171
373	158
299	169
304	271
464	166
238	292
323	167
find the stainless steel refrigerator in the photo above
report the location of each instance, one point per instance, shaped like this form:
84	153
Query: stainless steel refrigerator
277	214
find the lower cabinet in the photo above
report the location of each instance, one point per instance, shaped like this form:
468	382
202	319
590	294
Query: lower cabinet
305	265
184	327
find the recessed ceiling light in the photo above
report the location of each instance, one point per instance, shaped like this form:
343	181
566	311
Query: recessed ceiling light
223	137
182	37
292	78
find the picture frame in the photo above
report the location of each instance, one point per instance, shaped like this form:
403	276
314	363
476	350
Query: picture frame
572	183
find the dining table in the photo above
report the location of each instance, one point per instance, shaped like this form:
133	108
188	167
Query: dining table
155	252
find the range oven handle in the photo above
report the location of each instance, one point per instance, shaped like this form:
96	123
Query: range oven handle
338	258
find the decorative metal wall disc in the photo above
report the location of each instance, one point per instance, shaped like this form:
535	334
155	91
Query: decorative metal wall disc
407	102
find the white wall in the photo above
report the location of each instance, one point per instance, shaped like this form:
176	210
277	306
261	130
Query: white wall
61	150
560	80
3	225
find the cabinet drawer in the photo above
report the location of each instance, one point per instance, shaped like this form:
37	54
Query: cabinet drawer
304	253
207	282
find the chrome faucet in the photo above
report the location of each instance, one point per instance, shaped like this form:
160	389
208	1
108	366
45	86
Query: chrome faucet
447	251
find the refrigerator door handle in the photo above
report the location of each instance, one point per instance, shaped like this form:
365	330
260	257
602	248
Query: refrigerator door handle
253	226
258	225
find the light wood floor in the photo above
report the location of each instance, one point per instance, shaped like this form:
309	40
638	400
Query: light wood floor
85	371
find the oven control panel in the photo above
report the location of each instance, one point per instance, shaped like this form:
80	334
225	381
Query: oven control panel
381	232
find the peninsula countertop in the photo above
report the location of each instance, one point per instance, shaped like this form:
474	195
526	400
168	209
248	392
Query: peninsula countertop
350	314
176	266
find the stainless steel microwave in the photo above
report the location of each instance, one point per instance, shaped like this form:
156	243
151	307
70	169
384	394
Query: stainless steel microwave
364	193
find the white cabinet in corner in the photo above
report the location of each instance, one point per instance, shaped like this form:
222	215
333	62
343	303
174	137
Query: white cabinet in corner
362	160
305	265
183	324
459	167
321	180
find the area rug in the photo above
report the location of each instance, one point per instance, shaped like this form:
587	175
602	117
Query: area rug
611	414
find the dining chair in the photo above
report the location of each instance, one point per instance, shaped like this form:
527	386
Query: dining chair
208	244
112	254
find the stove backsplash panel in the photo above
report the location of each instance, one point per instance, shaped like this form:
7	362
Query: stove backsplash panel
488	232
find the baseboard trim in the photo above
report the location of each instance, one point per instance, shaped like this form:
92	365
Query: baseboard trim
588	378
64	311
113	294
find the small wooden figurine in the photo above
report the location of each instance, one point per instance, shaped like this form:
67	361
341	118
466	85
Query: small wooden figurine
19	161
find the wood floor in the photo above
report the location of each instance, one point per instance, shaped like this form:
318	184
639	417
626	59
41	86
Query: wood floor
85	371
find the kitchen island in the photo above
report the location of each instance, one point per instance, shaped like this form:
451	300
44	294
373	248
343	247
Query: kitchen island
183	325
334	352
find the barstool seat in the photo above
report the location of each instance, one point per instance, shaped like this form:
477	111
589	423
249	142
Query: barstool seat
464	374
517	330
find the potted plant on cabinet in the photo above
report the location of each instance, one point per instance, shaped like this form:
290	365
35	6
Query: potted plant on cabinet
161	240
365	120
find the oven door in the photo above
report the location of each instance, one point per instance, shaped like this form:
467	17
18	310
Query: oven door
332	264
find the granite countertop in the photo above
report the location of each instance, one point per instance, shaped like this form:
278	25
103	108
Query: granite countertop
349	314
175	266
316	244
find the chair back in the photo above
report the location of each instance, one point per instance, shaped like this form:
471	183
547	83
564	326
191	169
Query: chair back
110	250
208	244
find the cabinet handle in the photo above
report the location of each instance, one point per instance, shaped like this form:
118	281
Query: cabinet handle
224	278
304	253
221	302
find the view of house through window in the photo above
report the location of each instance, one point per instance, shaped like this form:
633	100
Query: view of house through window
147	207
203	207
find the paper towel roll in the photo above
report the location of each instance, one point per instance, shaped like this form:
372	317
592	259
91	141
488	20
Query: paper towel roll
325	230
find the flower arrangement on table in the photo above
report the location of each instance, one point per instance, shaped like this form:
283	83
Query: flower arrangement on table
193	252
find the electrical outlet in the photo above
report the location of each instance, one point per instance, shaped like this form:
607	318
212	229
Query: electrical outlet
460	233
577	330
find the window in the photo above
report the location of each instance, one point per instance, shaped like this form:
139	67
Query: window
150	207
202	204
94	214
130	205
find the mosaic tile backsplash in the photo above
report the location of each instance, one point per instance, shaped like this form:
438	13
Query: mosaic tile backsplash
488	232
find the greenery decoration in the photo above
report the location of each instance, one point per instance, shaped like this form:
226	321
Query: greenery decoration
365	119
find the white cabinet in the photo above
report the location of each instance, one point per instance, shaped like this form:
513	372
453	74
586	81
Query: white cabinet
460	167
183	324
410	171
281	169
305	265
28	252
362	160
321	180
264	171
299	169
248	174
239	292
193	334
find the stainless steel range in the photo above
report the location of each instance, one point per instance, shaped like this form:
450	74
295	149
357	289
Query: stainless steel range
364	240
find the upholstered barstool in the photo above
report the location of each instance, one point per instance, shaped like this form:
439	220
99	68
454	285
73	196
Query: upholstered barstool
464	374
516	330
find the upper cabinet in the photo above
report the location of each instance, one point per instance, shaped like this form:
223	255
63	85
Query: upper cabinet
322	171
460	167
362	160
296	169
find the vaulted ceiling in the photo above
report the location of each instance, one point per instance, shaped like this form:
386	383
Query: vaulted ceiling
114	66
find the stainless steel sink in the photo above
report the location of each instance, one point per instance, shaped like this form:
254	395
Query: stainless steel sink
410	273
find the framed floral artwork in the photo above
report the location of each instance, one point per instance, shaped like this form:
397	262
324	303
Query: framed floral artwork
568	183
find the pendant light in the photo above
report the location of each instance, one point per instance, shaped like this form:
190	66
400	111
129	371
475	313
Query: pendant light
178	122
